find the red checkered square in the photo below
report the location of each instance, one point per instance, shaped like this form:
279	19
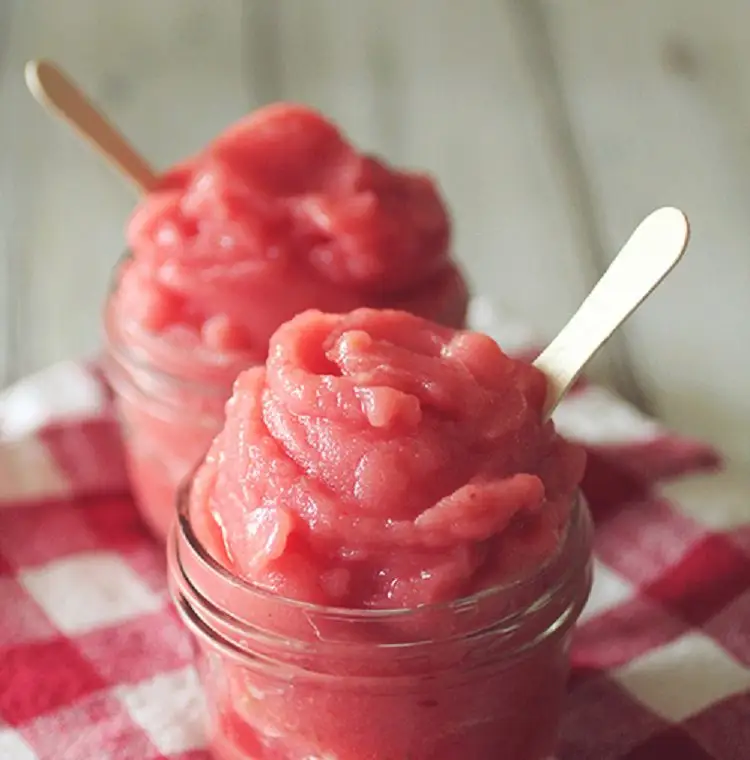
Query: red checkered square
58	673
6	569
88	453
724	728
672	744
35	535
646	538
609	487
662	458
617	636
603	722
96	726
710	575
138	649
27	621
115	522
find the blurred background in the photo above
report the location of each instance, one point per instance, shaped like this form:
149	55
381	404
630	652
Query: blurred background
553	127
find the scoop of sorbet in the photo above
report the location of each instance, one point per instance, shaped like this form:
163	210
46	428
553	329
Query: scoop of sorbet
380	460
277	215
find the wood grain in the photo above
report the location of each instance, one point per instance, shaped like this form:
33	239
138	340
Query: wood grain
659	94
9	131
170	80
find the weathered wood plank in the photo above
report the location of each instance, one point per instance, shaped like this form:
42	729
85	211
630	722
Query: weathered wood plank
170	78
659	94
8	133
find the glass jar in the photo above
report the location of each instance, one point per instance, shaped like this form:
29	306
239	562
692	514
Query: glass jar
170	404
479	678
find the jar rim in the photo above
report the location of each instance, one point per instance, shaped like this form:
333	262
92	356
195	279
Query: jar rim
184	535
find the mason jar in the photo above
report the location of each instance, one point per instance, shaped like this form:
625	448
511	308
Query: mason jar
170	404
476	679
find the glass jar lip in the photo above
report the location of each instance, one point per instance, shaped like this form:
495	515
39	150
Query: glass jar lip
182	532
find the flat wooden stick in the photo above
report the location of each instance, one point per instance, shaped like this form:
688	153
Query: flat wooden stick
644	261
54	90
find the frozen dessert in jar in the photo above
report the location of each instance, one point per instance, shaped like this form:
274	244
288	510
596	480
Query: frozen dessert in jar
277	215
384	552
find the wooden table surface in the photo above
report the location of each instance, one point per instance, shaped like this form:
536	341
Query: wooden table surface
553	127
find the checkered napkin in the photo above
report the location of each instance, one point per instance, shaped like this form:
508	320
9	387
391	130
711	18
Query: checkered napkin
94	664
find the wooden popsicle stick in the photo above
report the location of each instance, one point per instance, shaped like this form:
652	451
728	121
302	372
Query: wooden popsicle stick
54	90
644	261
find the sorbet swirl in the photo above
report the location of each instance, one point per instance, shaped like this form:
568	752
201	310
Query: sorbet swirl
380	460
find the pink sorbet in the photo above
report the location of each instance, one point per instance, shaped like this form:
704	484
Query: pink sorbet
380	460
280	214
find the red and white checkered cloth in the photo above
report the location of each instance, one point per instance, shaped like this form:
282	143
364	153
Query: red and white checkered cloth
94	664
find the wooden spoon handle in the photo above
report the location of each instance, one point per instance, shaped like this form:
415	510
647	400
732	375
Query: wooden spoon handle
57	93
644	261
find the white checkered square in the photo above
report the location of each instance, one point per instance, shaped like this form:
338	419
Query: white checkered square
719	501
683	677
112	591
28	473
13	747
169	708
64	391
609	591
597	417
95	726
